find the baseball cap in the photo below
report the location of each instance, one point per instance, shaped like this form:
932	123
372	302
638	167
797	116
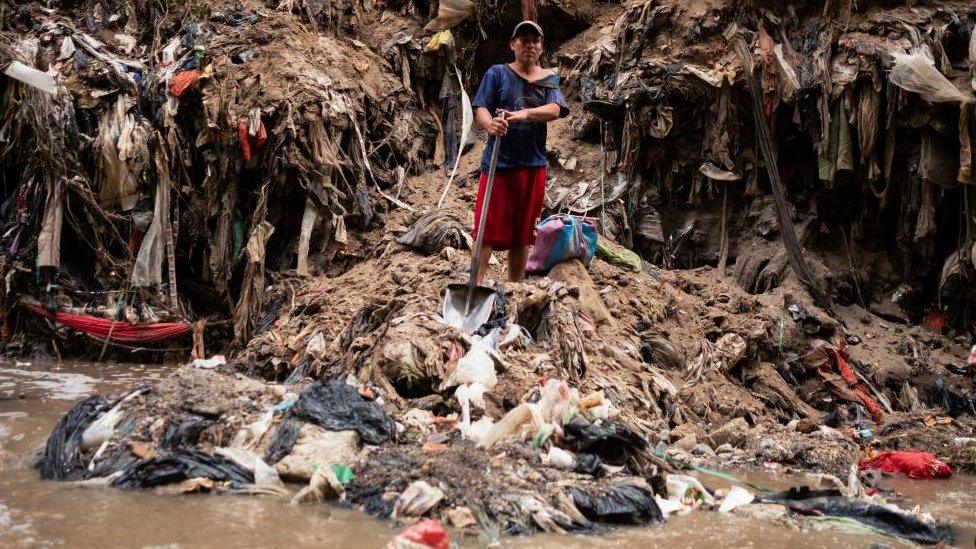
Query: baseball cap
527	25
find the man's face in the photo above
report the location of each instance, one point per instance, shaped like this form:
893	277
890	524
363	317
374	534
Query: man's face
527	47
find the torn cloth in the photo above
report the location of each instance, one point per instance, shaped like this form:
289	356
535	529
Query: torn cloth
49	240
182	81
250	143
838	357
914	464
435	230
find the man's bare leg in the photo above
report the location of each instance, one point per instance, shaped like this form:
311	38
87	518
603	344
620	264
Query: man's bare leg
483	263
518	256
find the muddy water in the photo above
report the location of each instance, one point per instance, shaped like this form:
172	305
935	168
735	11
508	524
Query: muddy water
35	513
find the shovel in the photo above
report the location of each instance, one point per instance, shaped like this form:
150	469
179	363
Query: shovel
468	306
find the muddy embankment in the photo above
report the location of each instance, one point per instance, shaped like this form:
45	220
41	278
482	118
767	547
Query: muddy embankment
784	279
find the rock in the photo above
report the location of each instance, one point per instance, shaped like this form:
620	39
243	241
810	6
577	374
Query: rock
687	442
679	454
316	448
460	517
731	348
761	511
733	432
701	449
685	429
725	449
807	426
573	274
771	450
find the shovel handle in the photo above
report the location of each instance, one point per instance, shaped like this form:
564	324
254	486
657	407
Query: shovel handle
479	240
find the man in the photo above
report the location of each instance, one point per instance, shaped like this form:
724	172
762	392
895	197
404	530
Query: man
514	103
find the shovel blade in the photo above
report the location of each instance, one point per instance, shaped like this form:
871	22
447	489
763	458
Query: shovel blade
455	301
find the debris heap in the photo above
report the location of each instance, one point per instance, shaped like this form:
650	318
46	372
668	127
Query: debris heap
738	313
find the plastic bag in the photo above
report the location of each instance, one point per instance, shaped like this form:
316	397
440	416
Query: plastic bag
688	490
61	459
916	73
468	394
612	442
103	428
450	13
337	407
561	238
426	533
737	497
557	457
476	366
620	504
419	498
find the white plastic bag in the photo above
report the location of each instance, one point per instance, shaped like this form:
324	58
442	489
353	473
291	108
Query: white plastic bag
557	457
476	366
688	490
916	72
737	498
450	13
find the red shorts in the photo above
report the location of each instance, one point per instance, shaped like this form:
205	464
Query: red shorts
516	203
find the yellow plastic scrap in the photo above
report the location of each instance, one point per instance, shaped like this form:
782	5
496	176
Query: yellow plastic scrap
442	39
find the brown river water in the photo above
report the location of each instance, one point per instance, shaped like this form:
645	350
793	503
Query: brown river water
40	514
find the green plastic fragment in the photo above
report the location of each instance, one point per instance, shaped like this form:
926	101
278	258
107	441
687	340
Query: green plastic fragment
343	473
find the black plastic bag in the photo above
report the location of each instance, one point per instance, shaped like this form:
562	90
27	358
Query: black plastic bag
618	504
186	434
284	440
498	318
613	442
179	466
61	459
589	464
338	407
951	401
901	524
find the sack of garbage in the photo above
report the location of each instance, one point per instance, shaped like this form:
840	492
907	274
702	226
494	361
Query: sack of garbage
561	238
619	504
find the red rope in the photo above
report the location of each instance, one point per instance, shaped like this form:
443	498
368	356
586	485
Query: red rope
123	331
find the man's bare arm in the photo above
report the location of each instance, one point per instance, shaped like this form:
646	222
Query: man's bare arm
545	113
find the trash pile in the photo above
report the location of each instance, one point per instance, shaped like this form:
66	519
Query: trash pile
871	105
558	462
171	169
598	392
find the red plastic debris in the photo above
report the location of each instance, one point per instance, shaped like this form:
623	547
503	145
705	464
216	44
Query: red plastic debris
250	144
103	328
914	464
935	321
182	81
426	533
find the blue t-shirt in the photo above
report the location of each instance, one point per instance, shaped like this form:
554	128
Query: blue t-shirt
524	146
